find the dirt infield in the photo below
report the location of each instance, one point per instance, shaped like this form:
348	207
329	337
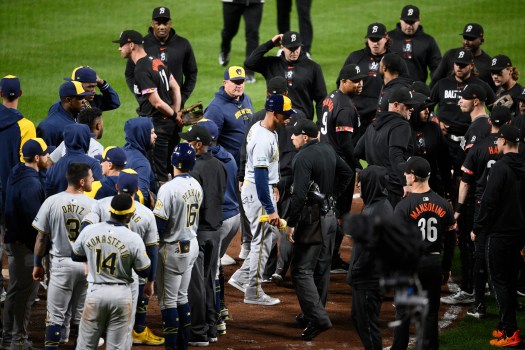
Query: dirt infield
263	327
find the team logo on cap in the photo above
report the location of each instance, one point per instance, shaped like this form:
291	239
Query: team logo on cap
469	28
410	12
238	71
374	29
494	61
357	70
161	11
293	37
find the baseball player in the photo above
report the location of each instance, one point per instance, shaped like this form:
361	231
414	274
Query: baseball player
505	77
58	224
111	251
177	215
261	176
143	223
433	217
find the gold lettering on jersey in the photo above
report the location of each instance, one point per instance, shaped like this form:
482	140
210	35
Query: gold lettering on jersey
73	208
135	218
245	113
191	193
427	207
103	239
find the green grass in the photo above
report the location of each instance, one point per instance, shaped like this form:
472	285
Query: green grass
43	40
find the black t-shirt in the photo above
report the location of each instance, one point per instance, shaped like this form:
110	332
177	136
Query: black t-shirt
478	130
478	162
151	75
431	214
339	122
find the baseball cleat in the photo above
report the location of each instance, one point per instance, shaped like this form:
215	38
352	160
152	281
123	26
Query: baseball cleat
264	299
225	314
461	297
236	284
505	341
100	342
477	311
227	260
497	333
224	59
244	253
277	279
146	337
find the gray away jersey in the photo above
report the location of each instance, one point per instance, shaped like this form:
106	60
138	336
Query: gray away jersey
262	151
142	221
178	202
112	251
60	216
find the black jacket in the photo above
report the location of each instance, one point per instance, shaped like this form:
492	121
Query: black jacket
178	54
212	175
386	91
305	77
316	162
386	143
363	272
502	207
419	50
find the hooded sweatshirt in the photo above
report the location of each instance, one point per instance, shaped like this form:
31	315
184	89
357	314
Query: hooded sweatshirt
52	128
230	207
22	205
76	139
385	143
14	131
232	117
363	272
502	207
138	142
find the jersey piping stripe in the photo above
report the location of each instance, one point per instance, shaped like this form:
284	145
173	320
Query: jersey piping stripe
257	282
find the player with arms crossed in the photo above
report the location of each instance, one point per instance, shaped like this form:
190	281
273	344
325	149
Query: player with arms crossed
432	215
58	223
143	223
177	215
111	251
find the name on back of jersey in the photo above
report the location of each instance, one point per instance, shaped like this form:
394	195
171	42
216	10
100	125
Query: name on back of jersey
96	241
427	207
73	208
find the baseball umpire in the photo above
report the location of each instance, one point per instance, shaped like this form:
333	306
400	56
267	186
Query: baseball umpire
312	223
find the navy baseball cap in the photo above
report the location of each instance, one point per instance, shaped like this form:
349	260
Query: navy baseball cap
509	133
410	13
10	86
405	96
277	86
472	31
376	31
211	126
279	104
128	181
291	39
183	157
34	147
83	75
113	154
129	36
197	133
72	89
500	115
161	12
473	91
416	165
234	73
463	57
351	72
500	62
305	127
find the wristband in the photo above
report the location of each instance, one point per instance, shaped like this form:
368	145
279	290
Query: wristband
38	261
459	207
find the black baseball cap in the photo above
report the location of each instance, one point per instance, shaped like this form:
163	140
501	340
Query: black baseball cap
197	133
376	31
422	88
291	39
463	57
509	133
305	127
129	36
417	166
277	86
472	31
410	13
500	62
405	96
161	12
500	115
351	72
472	91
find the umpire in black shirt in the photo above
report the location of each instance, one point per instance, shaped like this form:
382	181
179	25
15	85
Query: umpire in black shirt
312	223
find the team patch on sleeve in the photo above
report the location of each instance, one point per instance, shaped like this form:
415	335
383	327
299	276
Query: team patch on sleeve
148	91
344	129
466	171
158	205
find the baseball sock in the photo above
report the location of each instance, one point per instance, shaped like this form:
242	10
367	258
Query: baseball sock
52	337
221	282
185	326
142	309
218	290
170	327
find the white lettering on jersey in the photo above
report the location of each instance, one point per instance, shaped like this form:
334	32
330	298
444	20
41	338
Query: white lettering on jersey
450	93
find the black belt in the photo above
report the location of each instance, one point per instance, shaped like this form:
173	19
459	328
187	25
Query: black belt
112	284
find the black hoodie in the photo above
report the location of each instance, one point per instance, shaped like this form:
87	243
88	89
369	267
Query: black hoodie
502	207
363	271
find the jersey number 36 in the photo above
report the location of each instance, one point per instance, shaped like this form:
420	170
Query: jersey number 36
428	229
